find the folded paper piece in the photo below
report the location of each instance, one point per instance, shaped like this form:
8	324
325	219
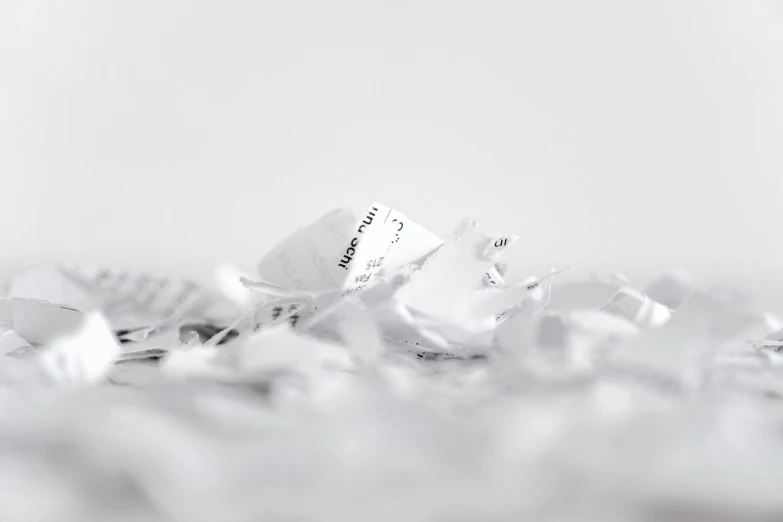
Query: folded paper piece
11	341
42	322
366	358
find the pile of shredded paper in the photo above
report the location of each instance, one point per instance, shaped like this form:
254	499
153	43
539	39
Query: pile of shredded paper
370	371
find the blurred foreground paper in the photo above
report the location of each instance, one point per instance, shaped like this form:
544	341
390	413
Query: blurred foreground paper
366	358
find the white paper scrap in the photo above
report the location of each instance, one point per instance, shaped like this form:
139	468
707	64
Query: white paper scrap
41	322
670	290
308	259
84	356
48	284
282	348
446	284
498	246
517	334
496	301
581	295
360	332
364	256
697	330
10	341
273	290
6	314
410	243
638	308
137	297
368	353
228	280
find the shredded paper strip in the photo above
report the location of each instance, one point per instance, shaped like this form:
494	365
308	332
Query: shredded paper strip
367	369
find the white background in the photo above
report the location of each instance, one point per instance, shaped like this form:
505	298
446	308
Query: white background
173	134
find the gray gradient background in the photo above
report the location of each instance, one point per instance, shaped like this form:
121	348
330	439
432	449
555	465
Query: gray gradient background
174	134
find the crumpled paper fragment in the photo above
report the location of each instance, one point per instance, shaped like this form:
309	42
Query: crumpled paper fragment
84	356
369	370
